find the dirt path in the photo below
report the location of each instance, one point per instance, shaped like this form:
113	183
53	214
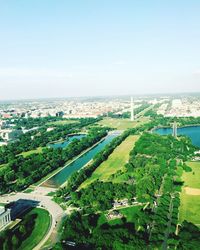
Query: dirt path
192	191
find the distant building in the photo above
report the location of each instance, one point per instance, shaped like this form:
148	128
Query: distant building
132	110
6	116
120	203
4	124
10	134
50	129
60	114
5	217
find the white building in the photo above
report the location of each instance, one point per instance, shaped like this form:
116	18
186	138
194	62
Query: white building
5	217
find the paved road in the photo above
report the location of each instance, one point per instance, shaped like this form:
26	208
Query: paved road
45	202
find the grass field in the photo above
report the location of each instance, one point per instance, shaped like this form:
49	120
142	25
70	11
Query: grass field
131	213
62	122
34	151
41	227
115	161
189	209
192	179
190	200
122	124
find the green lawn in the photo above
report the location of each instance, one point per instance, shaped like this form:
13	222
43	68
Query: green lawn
114	163
189	209
192	179
121	124
34	151
190	204
131	212
62	122
102	220
28	190
41	228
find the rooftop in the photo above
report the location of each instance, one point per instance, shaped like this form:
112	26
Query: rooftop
2	209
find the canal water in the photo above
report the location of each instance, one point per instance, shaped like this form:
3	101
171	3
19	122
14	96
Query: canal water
192	131
65	143
62	176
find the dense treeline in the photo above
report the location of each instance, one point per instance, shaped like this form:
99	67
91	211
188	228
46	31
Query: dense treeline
100	196
29	123
155	161
185	121
128	114
24	171
153	112
87	234
154	180
141	108
166	147
40	138
189	236
12	239
152	157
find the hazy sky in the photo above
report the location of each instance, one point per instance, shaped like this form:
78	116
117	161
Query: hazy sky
58	48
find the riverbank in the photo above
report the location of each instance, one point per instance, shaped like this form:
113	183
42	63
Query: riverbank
193	132
67	164
167	127
50	144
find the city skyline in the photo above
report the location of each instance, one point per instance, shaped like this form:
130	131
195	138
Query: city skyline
63	49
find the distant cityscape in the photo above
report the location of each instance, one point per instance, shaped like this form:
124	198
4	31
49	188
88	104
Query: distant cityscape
88	108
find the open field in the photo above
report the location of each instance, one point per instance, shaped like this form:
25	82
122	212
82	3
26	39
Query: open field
190	195
41	227
62	122
115	161
192	191
34	151
189	209
192	179
122	124
130	213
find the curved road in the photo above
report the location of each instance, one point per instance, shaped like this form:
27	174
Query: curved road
45	202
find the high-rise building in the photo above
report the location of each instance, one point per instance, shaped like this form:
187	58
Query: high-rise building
132	110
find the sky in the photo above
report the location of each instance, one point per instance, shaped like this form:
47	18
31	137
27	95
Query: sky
62	48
